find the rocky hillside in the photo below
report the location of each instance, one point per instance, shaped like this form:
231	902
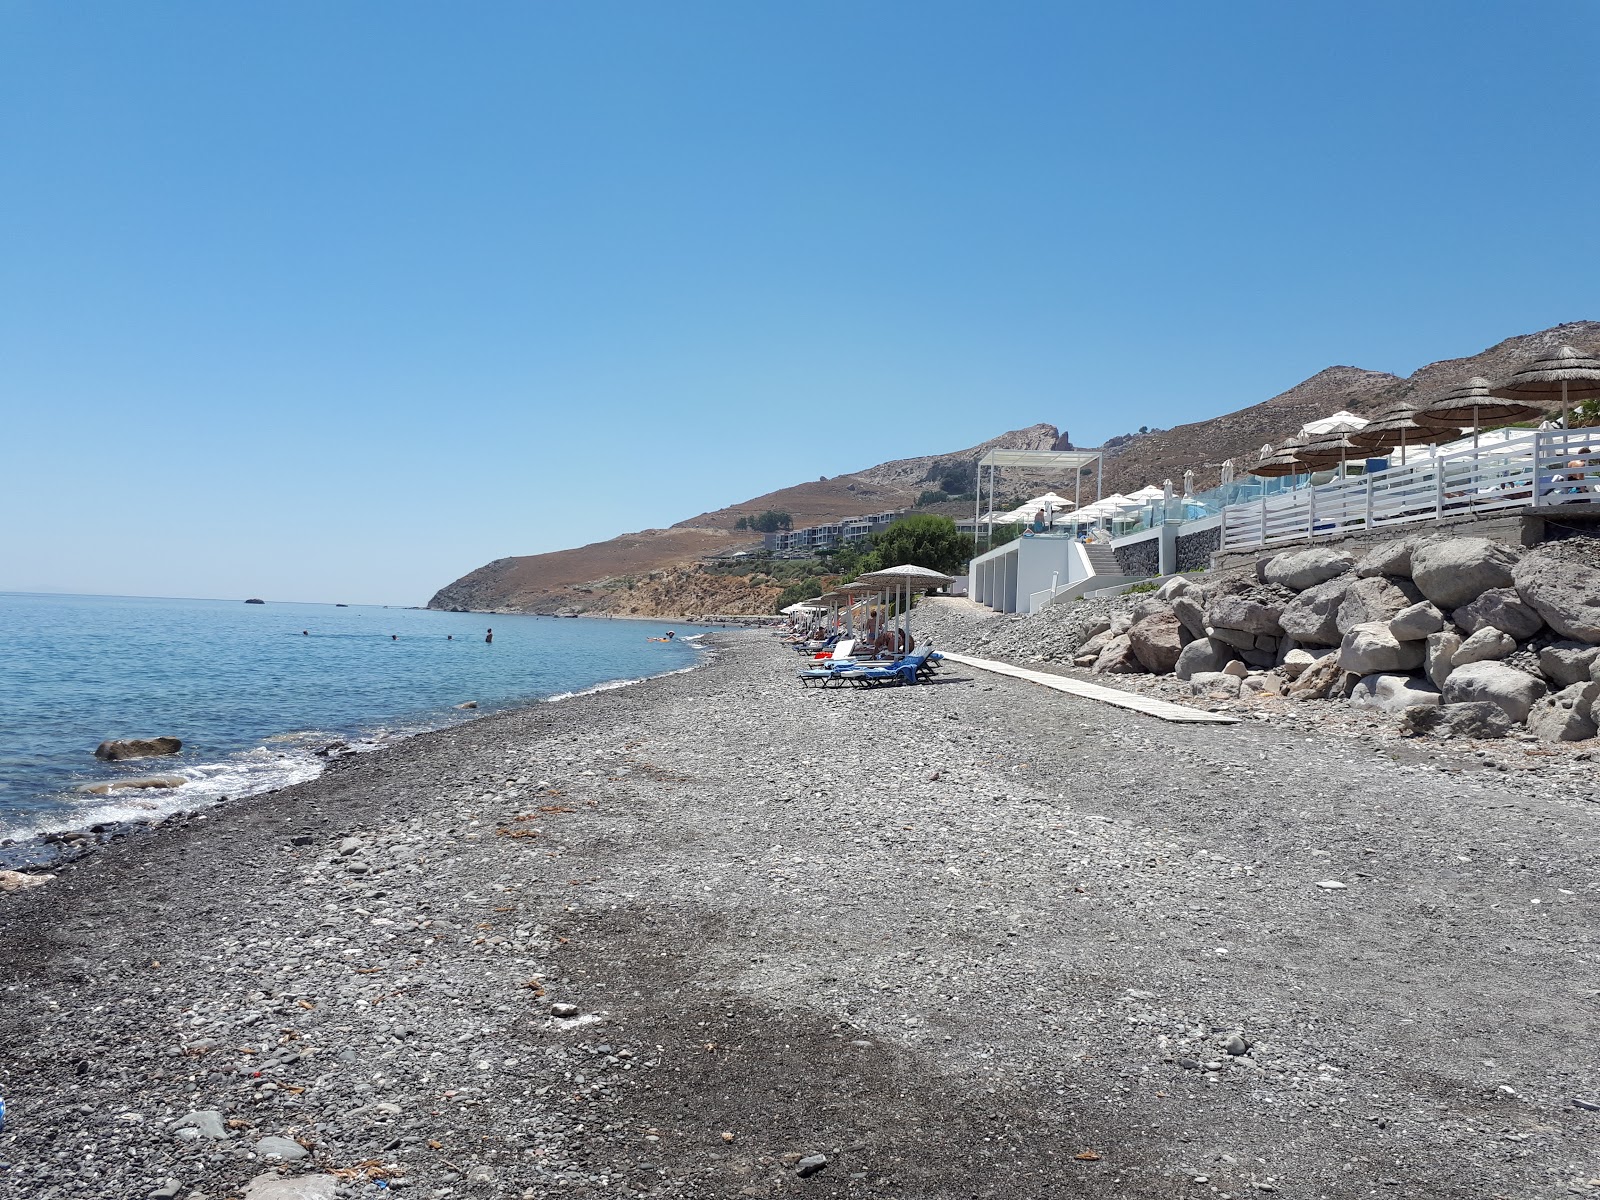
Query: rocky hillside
628	574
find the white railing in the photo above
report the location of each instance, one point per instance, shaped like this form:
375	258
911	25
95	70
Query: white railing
1532	470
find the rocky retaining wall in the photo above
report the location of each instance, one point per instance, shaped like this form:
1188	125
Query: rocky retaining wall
1195	549
1449	634
1139	560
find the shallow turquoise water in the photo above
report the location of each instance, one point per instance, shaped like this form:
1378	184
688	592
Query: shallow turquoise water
251	689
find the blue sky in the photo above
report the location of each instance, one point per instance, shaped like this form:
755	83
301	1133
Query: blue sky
338	302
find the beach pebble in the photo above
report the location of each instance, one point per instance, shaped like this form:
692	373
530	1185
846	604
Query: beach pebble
280	1147
810	1165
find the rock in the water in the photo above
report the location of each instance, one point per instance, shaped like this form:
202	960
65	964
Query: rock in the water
117	750
1567	715
1415	623
21	881
1157	641
295	1187
1566	662
1202	655
280	1147
150	781
468	704
1478	719
1441	649
1370	647
1453	572
1488	643
1300	569
1392	693
1566	594
810	1165
1312	617
1513	691
1390	558
1503	609
1377	598
1296	661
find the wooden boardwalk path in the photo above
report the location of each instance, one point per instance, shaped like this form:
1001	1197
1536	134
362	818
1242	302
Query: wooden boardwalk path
1164	709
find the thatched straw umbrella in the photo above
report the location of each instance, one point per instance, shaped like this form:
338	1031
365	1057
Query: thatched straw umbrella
1281	461
1563	377
1394	428
1473	403
1326	450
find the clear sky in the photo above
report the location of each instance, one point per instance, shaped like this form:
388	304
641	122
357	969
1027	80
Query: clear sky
339	301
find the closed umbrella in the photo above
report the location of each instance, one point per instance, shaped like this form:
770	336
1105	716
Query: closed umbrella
1473	404
1565	376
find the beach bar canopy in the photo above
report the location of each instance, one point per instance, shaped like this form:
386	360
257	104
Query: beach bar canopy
1053	462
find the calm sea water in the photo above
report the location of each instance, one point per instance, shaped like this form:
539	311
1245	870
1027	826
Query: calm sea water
253	689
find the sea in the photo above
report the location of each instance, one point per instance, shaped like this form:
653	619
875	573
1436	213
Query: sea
254	690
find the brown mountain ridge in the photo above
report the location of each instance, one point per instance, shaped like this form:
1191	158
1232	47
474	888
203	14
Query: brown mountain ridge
658	572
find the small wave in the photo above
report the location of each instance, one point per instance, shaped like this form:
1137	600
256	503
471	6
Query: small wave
612	685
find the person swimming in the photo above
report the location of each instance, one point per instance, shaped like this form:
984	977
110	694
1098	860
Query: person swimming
489	637
668	638
394	637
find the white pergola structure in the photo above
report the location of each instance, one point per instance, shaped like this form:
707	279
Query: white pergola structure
1034	460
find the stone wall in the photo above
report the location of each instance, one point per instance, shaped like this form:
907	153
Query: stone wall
1139	560
1195	549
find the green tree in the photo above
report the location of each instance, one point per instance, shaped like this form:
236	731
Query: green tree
771	521
742	523
923	540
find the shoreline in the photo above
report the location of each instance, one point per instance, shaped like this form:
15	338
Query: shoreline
897	928
44	849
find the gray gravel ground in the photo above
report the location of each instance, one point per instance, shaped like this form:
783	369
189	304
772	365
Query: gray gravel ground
971	939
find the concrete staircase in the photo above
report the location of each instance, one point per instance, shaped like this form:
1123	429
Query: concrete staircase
1102	558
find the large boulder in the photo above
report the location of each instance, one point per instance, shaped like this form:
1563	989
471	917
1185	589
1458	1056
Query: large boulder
1118	658
1438	658
1566	716
1488	643
1203	655
124	748
1174	587
1157	641
1148	606
1392	693
1478	719
1371	648
1377	598
1191	613
1500	608
1417	622
1565	663
1566	594
1388	558
1237	638
1244	613
1218	684
1300	569
1296	662
1318	681
1453	572
1512	691
1312	617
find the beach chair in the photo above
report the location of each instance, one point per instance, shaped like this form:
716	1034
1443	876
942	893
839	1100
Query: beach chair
824	665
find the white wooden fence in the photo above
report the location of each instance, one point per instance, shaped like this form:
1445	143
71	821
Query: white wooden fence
1525	471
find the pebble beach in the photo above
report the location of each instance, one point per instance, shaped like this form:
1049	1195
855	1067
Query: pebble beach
715	935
